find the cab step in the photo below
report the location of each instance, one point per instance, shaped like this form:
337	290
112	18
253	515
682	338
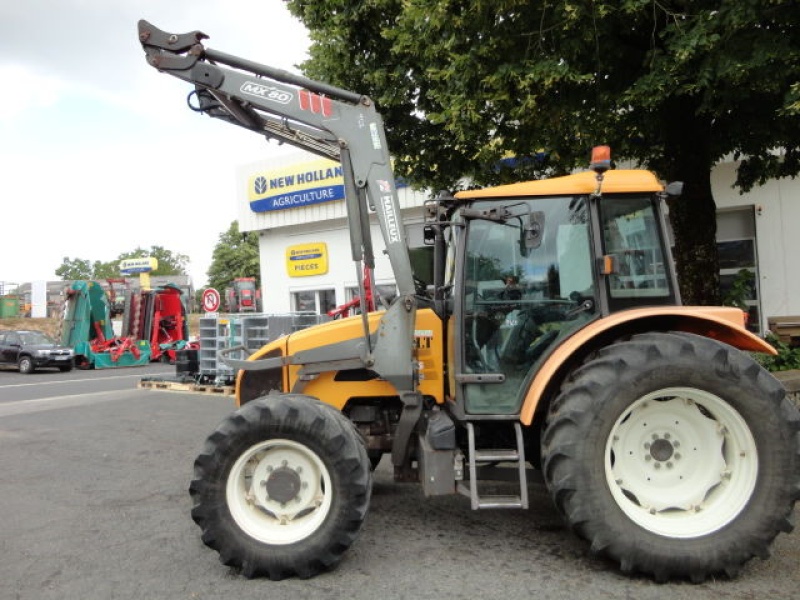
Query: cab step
495	455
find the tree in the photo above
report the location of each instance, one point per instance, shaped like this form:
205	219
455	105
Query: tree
235	255
74	268
673	85
169	263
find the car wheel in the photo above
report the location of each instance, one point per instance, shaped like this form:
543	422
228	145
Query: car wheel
26	365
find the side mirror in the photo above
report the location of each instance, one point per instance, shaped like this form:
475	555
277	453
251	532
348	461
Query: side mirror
428	235
532	232
674	188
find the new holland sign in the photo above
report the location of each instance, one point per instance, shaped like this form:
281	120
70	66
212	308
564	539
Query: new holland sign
144	264
302	184
303	260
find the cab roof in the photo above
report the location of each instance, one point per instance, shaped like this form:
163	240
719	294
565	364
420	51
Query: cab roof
614	182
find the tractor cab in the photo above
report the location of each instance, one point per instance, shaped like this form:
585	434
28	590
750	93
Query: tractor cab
524	266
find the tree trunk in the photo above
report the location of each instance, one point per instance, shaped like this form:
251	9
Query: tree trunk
693	215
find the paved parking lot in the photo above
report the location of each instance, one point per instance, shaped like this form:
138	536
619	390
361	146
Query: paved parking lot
95	504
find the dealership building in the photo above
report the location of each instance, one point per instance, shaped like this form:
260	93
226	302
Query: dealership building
296	204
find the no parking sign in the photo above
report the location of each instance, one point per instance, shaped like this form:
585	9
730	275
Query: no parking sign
210	300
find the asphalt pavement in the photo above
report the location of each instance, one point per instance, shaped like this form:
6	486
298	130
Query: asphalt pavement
95	505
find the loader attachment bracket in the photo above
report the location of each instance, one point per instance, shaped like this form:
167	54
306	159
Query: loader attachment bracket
155	42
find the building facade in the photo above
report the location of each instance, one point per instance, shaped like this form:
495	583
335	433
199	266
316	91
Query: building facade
296	204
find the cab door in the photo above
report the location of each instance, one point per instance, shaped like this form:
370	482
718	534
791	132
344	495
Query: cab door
517	303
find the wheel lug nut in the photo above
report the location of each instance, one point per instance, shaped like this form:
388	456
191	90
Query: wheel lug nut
647	445
669	465
658	465
667	436
655	436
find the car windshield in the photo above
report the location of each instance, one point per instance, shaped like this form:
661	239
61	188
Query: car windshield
35	338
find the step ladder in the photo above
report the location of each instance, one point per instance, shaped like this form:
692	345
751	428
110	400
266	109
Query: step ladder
510	455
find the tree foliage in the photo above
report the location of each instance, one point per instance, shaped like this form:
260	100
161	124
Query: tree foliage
169	263
675	86
235	255
74	269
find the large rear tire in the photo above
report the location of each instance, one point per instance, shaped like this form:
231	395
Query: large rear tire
674	455
282	487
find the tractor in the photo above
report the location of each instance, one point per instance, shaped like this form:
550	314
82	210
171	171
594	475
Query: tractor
552	339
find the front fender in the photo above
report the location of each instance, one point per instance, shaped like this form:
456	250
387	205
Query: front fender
725	324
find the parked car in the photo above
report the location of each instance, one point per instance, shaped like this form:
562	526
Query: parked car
31	350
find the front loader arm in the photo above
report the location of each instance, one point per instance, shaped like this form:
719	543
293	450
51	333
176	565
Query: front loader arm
327	121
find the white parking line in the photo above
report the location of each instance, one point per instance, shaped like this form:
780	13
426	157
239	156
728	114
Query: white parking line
63	381
21	407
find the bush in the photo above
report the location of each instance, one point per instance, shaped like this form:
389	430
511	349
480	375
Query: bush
788	358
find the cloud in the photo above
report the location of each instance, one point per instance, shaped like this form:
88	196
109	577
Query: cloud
98	152
31	91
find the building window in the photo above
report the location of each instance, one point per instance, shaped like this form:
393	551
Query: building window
316	301
738	263
384	295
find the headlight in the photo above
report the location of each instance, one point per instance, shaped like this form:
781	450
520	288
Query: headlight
43	353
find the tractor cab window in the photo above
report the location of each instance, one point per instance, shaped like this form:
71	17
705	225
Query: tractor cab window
528	283
631	238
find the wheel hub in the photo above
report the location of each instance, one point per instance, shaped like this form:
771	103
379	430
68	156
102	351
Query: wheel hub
283	485
662	450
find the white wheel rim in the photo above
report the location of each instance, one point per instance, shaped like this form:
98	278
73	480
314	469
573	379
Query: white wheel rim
681	462
279	492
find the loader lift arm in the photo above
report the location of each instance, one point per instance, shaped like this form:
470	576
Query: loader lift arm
330	122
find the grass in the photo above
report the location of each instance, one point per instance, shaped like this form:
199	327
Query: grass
49	326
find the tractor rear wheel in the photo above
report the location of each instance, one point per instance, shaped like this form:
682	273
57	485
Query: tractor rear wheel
281	487
674	455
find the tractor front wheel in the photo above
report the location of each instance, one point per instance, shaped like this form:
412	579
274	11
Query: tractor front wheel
282	487
674	455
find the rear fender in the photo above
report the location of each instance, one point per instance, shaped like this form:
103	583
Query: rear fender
724	324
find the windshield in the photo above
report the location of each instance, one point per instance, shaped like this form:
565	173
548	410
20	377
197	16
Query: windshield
35	338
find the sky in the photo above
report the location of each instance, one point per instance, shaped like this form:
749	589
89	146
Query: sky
99	153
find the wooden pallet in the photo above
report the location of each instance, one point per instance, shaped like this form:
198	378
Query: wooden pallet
194	388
